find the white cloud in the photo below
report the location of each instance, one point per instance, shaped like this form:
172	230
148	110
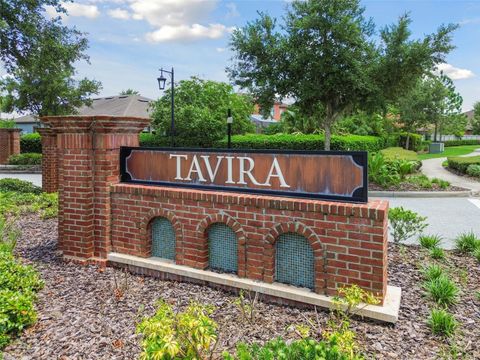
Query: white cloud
187	32
119	14
455	73
220	49
75	9
470	21
178	20
172	12
232	10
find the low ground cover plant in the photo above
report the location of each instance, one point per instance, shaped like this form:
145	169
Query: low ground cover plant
437	253
441	290
18	286
25	159
467	243
430	241
442	322
405	223
20	197
432	272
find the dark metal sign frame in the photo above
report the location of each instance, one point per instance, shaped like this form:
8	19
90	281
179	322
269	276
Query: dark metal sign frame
360	195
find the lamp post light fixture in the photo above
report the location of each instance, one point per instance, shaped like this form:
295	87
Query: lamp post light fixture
229	127
161	85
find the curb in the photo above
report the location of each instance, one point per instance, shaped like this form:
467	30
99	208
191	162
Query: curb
20	169
422	194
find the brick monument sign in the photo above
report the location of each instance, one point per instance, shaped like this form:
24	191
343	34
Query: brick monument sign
277	222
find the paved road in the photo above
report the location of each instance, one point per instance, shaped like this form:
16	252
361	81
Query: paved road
433	169
446	216
36	179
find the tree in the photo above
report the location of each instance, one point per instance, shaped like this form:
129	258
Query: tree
476	118
326	58
39	55
201	112
129	92
433	101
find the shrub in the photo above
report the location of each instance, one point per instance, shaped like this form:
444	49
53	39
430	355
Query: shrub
476	254
442	290
18	284
473	170
467	242
461	163
300	349
437	253
442	322
380	172
7	124
154	140
303	142
415	141
14	203
31	143
461	142
432	271
430	241
442	183
20	186
168	334
25	159
405	223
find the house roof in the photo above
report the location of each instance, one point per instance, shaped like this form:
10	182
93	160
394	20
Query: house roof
121	105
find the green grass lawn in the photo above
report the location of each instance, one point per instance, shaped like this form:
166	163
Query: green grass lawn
451	151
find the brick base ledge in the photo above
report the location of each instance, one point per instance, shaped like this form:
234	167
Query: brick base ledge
388	312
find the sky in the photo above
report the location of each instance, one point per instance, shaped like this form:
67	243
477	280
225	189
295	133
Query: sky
130	40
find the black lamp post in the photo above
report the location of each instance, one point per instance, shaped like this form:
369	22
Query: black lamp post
161	84
229	127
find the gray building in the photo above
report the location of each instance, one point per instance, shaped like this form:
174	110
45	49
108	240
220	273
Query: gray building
121	105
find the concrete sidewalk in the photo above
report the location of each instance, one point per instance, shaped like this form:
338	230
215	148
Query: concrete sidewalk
446	217
433	169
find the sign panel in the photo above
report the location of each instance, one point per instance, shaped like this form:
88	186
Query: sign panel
313	174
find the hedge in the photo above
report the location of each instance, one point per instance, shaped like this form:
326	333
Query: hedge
461	163
152	140
461	142
304	142
31	143
25	159
400	139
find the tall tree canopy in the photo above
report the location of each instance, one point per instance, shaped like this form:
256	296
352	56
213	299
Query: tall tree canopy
476	118
201	112
39	55
326	56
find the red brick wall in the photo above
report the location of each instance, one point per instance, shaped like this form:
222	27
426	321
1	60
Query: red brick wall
349	240
49	160
9	144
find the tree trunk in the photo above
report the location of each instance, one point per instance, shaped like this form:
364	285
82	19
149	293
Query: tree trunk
435	133
328	135
407	142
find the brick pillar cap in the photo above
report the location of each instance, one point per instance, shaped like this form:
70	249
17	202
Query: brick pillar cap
97	123
10	129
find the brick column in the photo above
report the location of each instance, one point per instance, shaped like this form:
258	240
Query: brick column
9	144
49	160
88	163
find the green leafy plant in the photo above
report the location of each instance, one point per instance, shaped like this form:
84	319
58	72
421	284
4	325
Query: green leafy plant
476	254
247	305
477	295
405	223
467	242
190	334
462	163
429	241
432	271
17	203
474	170
350	301
437	253
7	124
19	186
442	290
296	350
442	322
380	172
18	285
25	159
443	184
31	143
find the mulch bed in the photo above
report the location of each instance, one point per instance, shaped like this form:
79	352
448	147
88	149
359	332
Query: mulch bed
80	316
459	173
